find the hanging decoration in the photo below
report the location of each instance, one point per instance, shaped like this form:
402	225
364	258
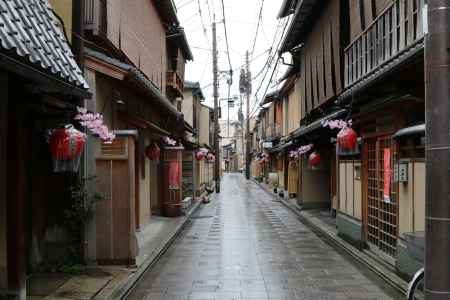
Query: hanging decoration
337	124
66	145
314	160
169	141
94	122
201	154
262	158
293	155
153	152
346	138
304	149
210	157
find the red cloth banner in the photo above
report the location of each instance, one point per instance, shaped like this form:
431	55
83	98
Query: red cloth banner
387	175
174	174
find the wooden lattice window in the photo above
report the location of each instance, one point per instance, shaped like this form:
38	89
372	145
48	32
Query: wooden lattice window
381	214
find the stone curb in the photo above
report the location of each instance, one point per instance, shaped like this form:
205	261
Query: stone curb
371	264
125	288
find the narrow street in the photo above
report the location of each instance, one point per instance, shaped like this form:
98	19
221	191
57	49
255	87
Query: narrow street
246	245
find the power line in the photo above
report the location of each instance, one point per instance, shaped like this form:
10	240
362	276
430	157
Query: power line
257	26
226	41
255	105
209	12
185	4
205	32
238	68
269	59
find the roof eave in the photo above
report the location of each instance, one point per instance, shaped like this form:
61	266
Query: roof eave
167	11
296	32
53	84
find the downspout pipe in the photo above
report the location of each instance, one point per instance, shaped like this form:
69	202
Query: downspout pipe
437	118
78	31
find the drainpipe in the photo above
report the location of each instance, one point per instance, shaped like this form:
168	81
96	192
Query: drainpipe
78	31
88	166
437	116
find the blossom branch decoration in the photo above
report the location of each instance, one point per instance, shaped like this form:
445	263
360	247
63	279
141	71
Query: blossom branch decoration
337	124
304	149
94	122
168	141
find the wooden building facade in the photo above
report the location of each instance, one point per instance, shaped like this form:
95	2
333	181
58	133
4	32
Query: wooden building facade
359	61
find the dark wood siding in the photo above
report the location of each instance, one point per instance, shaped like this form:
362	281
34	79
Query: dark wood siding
321	59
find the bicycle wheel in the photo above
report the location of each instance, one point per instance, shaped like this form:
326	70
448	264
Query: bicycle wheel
415	287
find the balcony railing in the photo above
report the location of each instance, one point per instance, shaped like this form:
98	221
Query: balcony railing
396	29
95	16
175	82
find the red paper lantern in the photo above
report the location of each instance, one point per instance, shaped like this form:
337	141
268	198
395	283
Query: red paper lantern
153	152
314	160
66	143
199	155
346	138
210	157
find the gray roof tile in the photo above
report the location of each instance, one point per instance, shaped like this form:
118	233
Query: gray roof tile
29	29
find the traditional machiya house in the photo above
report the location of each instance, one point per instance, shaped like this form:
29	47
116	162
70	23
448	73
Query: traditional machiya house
382	188
363	60
206	140
314	40
191	107
40	86
286	105
134	61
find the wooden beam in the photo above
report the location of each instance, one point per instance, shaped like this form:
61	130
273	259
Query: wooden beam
104	68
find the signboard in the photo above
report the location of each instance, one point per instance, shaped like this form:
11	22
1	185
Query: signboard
387	175
267	145
401	172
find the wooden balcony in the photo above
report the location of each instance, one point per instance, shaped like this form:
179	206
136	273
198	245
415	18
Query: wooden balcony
175	82
394	31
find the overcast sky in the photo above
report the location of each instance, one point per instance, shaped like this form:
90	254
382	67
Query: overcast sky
241	20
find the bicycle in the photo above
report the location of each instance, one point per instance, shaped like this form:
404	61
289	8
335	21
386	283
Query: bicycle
415	242
415	285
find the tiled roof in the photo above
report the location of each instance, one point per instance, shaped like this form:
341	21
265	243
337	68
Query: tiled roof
29	30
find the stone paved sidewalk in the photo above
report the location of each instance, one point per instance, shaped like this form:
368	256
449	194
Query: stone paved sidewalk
109	282
245	245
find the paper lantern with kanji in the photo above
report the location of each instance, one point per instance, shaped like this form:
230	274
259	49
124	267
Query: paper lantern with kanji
346	138
66	145
153	152
314	160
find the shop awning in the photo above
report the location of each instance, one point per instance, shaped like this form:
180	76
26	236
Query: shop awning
417	129
317	124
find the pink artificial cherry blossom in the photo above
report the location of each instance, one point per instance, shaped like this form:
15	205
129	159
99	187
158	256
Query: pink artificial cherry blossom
94	122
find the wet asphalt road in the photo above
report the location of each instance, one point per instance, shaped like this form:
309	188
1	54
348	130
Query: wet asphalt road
245	245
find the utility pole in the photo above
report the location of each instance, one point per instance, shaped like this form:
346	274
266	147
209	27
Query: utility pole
248	91
437	154
241	120
216	110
